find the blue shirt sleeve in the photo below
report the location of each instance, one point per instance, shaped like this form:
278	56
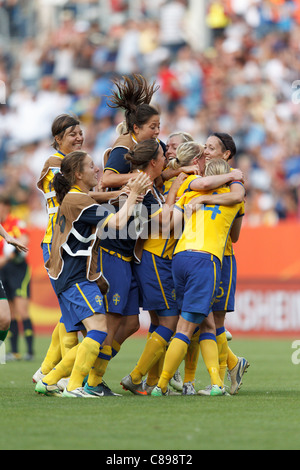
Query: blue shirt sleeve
116	161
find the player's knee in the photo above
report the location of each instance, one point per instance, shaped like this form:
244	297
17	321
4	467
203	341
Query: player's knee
4	324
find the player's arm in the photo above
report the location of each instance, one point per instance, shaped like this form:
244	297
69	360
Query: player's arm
111	179
164	216
235	196
104	196
236	229
169	173
137	187
212	182
12	241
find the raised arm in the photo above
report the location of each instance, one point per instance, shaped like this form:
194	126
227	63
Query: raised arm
136	187
212	182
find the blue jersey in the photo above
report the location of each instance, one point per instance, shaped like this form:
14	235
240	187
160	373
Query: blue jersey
123	241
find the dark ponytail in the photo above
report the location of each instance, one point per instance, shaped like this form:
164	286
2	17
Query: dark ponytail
142	154
66	178
134	96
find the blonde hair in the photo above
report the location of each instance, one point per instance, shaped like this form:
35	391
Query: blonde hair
185	136
122	128
217	166
185	154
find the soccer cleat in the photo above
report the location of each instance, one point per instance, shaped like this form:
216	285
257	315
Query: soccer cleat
188	389
49	390
157	392
102	390
136	389
236	375
38	376
212	390
11	357
63	383
217	391
205	392
176	381
148	388
77	393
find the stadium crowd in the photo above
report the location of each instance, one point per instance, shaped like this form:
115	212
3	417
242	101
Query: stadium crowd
243	82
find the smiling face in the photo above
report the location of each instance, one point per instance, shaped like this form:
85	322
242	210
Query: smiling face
172	145
87	178
149	130
71	140
213	149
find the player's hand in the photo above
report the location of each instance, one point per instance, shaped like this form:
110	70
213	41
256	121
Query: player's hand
13	241
237	175
140	184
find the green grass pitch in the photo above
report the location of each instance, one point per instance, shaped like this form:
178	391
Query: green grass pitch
264	415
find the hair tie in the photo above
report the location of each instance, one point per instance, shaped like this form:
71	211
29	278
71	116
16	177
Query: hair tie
65	128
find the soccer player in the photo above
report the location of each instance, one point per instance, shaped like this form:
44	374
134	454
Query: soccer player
5	314
197	271
142	122
222	145
154	276
117	254
67	137
15	275
73	266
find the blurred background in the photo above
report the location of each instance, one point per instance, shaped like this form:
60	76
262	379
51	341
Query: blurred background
222	65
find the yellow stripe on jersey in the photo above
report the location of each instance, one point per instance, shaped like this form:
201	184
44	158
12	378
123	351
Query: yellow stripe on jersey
159	281
229	285
101	269
86	300
51	202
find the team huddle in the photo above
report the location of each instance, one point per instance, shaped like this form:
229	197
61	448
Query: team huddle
155	232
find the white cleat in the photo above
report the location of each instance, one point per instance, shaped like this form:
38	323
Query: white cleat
38	376
63	383
77	393
176	381
236	375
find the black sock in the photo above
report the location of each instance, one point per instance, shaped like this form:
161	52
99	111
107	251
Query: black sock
14	336
28	335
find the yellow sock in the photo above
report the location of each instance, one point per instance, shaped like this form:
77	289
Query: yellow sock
53	355
174	356
63	368
232	359
97	372
155	371
68	341
191	359
222	351
209	351
115	348
86	356
154	349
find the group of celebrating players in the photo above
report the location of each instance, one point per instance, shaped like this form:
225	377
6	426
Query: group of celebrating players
156	233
